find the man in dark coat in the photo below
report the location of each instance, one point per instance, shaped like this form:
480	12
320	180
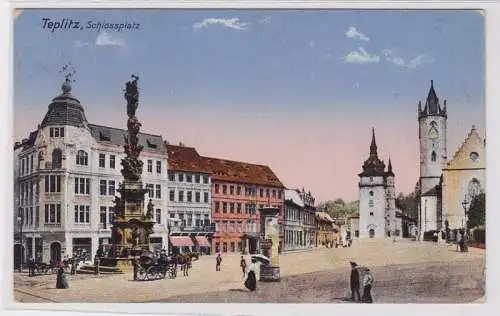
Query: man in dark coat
61	282
354	282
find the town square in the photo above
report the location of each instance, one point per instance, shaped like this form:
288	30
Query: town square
189	177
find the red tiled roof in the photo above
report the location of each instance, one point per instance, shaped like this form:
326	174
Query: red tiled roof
182	158
241	172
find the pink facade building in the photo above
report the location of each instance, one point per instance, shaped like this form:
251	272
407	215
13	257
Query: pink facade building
239	190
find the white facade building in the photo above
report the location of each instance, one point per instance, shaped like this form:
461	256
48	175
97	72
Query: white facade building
67	173
377	209
294	231
190	200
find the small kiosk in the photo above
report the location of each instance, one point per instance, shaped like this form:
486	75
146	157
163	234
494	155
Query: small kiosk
269	244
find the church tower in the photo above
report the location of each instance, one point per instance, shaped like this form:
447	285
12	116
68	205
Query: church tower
372	195
432	136
391	226
433	157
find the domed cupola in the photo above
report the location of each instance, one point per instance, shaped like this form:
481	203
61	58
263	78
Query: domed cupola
65	109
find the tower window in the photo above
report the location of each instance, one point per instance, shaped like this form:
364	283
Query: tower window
371	193
371	213
433	156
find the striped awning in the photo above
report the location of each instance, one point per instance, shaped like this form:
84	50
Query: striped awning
181	241
202	241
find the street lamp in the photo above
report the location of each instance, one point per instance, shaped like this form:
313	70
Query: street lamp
465	203
20	223
168	237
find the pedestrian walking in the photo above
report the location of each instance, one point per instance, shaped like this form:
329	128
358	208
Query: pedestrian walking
31	267
218	261
61	282
354	282
250	279
367	287
457	240
243	265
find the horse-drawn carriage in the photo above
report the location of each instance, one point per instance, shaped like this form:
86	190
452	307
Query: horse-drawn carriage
150	267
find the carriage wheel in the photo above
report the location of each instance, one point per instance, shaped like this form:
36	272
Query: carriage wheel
162	273
151	273
141	274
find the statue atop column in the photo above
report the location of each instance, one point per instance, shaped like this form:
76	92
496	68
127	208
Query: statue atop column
132	165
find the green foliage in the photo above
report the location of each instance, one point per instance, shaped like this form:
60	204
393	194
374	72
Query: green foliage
477	211
409	203
338	208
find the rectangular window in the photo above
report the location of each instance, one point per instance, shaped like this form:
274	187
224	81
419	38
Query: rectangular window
181	196
158	191
197	178
267	192
158	167
217	207
158	216
51	132
111	214
112	159
216	188
172	195
371	213
224	207
111	187
279	194
197	197
56	132
52	213
261	193
370	203
82	214
82	186
205	197
238	207
189	178
52	184
181	177
102	215
205	179
231	190
171	176
189	196
238	190
37	215
274	193
231	207
150	166
224	189
102	161
62	131
151	190
102	187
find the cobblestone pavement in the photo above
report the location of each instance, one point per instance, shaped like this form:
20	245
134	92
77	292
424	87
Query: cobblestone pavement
314	276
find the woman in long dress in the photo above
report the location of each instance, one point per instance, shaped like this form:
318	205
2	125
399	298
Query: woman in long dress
250	279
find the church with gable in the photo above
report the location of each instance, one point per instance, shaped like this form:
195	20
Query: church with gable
446	185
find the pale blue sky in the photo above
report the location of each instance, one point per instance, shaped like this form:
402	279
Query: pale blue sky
364	67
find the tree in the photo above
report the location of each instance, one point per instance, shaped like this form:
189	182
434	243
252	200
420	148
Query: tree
477	211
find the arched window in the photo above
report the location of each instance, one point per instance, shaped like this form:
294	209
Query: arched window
82	158
474	188
433	130
433	156
371	193
56	158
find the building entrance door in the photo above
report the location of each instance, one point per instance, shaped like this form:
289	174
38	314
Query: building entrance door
55	252
371	232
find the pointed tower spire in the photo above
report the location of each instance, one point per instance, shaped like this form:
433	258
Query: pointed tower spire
389	168
373	146
432	103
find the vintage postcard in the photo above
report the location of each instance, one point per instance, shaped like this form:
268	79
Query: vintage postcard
249	156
